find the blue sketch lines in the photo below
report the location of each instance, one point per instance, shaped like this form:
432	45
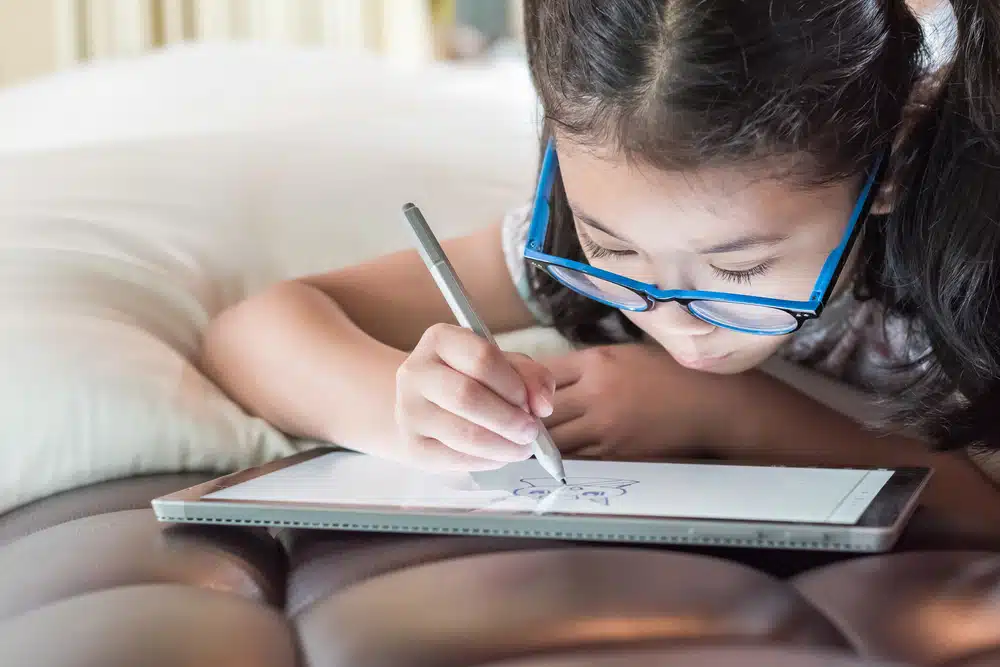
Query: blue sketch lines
599	490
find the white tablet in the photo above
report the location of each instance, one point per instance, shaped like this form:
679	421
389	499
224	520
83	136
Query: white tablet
835	509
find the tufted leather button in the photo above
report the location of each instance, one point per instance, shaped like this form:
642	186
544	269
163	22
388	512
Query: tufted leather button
496	606
160	625
925	608
126	548
727	656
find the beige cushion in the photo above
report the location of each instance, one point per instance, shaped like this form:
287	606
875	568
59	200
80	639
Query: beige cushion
126	224
111	264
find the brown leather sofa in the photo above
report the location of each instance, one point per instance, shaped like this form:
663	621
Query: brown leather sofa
89	578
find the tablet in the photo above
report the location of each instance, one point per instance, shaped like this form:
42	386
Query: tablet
834	509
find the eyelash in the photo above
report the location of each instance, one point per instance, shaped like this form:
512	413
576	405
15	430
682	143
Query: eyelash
599	252
739	277
742	277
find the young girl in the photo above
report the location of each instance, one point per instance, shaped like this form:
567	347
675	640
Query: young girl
722	181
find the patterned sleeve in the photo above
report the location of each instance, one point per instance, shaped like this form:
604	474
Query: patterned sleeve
514	236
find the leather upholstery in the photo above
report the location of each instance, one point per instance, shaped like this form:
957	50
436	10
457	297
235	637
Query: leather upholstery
124	494
117	588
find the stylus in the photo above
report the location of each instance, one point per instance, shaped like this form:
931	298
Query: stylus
454	293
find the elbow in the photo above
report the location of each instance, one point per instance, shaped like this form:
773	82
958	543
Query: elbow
232	337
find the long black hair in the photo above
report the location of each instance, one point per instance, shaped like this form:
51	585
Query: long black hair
817	87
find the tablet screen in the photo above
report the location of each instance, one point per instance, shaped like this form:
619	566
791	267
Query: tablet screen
678	490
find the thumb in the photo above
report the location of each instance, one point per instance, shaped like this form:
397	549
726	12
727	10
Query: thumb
538	380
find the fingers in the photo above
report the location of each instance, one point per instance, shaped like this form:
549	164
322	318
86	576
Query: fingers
473	356
571	425
538	381
566	369
571	402
459	393
463	397
574	435
469	438
568	406
433	455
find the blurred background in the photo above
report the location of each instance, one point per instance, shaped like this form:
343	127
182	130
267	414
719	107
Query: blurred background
43	36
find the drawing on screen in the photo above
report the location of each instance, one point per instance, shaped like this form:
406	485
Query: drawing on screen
599	490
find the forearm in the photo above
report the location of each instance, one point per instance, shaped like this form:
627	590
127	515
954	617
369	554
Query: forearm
291	356
782	425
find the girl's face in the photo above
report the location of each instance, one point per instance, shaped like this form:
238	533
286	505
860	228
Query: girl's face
720	230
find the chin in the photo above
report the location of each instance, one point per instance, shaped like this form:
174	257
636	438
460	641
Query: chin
730	363
718	365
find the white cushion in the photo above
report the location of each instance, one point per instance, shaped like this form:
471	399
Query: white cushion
126	224
111	264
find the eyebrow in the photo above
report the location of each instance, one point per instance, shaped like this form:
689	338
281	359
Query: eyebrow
734	245
597	224
744	243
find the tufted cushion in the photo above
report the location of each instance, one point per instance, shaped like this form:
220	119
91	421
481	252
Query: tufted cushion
129	548
925	608
742	656
153	626
494	606
101	590
120	494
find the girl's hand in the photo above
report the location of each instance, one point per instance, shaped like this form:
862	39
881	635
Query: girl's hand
633	402
463	404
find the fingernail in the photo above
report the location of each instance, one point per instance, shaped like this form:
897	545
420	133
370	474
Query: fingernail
544	407
528	434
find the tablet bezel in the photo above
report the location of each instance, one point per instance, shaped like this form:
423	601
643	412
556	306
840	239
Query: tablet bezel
876	530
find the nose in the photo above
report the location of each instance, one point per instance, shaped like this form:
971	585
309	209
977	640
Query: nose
675	320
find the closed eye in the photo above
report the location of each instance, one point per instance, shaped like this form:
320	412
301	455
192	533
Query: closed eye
598	251
742	277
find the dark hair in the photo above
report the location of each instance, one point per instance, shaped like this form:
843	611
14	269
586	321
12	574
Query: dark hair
817	87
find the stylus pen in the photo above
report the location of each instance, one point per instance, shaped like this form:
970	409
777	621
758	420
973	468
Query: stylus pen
454	293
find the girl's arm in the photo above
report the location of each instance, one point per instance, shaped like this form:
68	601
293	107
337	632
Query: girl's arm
780	424
317	357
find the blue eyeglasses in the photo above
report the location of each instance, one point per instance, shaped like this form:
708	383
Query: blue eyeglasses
738	312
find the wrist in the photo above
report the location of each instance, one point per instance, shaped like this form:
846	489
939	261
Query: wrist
361	416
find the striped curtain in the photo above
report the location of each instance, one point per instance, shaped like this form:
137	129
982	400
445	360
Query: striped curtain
405	29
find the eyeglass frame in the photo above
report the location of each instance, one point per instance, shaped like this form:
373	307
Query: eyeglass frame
801	311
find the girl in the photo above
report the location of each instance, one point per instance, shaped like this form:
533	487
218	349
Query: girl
722	181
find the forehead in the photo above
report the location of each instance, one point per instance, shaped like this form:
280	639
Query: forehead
713	203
